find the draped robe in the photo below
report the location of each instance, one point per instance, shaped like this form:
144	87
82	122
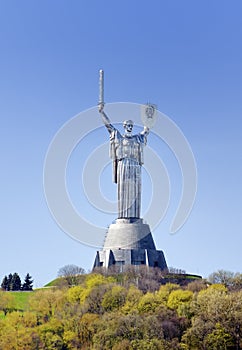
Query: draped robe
127	154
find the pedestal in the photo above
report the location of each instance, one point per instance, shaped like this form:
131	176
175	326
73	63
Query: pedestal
129	242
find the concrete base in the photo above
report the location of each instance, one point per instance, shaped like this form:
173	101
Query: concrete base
126	257
129	242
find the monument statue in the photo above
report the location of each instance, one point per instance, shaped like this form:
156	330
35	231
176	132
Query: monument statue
128	240
126	152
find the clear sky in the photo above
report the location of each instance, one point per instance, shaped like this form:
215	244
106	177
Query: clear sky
185	56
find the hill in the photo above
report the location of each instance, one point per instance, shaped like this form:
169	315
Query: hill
124	311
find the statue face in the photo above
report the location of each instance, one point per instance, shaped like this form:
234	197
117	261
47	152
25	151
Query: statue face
128	127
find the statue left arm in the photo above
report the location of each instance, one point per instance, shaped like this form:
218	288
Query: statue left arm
142	137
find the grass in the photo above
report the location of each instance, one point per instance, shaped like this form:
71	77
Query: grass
54	283
20	300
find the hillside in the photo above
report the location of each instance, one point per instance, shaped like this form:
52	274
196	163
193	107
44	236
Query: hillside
123	311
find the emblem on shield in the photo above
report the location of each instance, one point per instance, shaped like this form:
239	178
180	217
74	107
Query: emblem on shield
148	115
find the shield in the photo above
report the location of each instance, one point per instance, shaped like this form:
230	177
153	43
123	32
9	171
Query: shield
148	115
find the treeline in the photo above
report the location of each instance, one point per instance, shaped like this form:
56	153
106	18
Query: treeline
12	282
121	312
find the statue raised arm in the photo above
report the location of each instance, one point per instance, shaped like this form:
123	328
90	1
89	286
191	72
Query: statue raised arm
126	151
110	127
105	118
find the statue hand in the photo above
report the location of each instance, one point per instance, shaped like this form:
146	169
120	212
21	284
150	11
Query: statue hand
100	107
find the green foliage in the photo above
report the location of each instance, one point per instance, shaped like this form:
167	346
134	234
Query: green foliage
231	280
93	302
6	302
81	292
114	298
165	291
46	302
51	334
146	344
122	345
75	294
105	312
132	299
94	280
217	317
219	338
10	301
180	300
148	303
18	331
114	328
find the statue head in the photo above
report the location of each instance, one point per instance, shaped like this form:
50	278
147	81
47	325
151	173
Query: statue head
128	125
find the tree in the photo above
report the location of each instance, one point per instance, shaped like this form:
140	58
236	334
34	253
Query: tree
221	276
12	282
18	331
217	319
46	302
71	273
132	299
165	290
28	283
15	282
179	300
237	281
6	302
114	298
197	285
93	301
10	277
149	302
146	279
219	338
5	283
176	271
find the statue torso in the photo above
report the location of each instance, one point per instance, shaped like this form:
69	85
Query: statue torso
128	147
123	146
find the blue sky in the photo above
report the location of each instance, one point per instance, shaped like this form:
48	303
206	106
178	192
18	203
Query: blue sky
185	56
